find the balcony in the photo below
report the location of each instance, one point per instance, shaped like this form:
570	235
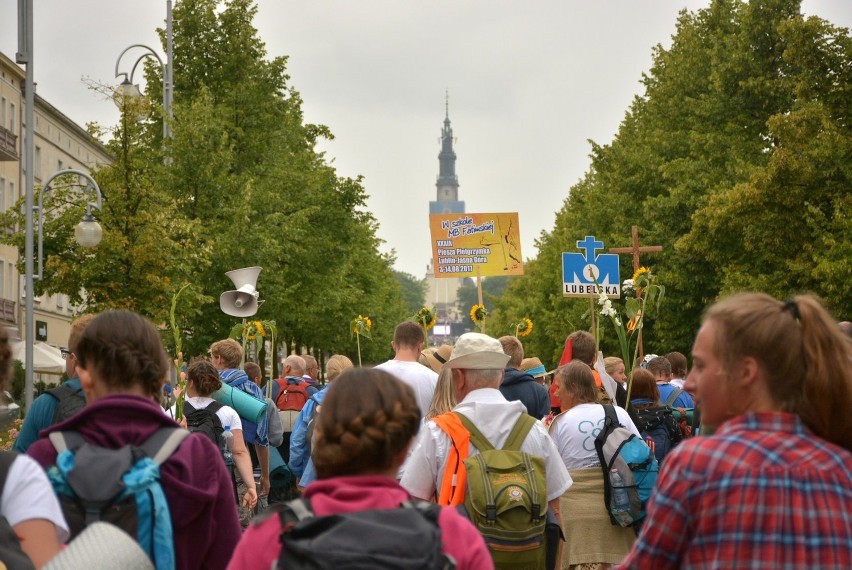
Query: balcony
8	144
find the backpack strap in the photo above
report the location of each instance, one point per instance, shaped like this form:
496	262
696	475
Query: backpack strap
163	443
63	440
428	509
6	460
188	408
672	397
610	423
63	391
478	440
293	512
519	432
513	443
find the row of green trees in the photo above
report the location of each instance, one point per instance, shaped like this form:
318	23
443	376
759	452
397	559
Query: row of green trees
737	159
239	184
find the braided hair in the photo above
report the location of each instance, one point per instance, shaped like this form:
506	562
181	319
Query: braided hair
368	418
123	349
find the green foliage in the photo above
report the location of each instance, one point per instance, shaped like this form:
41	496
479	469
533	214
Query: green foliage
413	290
493	288
736	160
243	186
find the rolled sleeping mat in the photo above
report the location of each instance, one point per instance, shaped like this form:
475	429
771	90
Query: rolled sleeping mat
246	405
279	474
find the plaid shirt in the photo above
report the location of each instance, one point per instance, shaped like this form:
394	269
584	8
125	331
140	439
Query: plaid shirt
763	492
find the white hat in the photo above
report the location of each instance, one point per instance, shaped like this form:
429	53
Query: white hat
101	545
476	351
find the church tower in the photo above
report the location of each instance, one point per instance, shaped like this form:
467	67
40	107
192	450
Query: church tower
442	294
448	183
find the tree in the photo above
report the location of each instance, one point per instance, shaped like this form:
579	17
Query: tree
142	258
413	290
246	168
735	159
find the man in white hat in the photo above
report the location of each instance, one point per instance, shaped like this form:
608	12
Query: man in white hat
477	362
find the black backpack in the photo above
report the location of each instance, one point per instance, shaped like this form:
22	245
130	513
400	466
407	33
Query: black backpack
206	421
405	538
69	402
658	423
11	553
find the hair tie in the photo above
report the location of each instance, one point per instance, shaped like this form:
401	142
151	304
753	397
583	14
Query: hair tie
791	307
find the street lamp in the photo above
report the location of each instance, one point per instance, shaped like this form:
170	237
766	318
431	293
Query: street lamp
88	232
128	89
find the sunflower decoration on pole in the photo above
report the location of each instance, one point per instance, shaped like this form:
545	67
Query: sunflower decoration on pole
361	326
478	314
253	334
179	388
643	296
524	327
426	318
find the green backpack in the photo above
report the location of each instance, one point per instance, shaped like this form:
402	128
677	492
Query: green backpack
506	497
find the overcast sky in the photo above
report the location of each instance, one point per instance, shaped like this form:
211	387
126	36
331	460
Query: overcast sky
529	83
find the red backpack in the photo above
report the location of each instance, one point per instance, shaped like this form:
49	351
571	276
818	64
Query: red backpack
291	400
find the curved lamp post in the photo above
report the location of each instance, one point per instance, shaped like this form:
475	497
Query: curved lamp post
88	232
128	89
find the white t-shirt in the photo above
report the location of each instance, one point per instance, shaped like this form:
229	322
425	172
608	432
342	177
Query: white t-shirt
495	417
574	433
226	414
28	495
421	379
677	382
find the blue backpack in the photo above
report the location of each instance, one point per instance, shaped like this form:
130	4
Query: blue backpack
119	486
619	449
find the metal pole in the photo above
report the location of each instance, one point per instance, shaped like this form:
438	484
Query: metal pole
168	80
25	55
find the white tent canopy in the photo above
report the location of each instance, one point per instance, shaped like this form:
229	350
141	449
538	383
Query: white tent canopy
46	359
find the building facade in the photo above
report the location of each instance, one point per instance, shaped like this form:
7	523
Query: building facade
59	144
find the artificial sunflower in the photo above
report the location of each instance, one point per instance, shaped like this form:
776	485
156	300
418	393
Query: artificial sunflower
361	325
642	271
524	327
426	318
478	313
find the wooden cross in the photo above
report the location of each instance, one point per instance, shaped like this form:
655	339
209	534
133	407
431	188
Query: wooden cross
635	249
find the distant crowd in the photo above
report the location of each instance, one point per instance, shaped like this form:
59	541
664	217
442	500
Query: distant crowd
471	456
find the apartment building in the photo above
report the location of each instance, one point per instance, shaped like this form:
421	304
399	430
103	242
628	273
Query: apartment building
59	144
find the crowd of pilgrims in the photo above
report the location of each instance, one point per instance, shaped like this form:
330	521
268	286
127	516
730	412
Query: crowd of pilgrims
753	442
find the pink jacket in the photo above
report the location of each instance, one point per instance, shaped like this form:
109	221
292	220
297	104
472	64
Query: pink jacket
348	494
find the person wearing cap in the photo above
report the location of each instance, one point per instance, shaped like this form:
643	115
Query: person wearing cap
476	363
518	385
408	339
435	357
535	368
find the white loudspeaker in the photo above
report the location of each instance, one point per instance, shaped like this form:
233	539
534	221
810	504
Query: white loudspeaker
243	301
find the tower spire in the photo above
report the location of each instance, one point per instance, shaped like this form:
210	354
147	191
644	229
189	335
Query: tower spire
448	183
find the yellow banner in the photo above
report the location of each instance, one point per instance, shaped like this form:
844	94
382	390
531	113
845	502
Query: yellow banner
464	245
